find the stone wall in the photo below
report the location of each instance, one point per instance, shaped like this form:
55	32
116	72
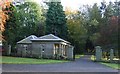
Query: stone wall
45	50
42	50
36	50
70	52
19	51
48	50
24	50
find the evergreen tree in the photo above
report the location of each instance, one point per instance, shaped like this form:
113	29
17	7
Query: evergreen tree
56	20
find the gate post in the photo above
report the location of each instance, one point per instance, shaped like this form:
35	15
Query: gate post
9	50
98	53
111	54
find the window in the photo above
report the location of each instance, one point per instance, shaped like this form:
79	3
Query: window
25	47
43	50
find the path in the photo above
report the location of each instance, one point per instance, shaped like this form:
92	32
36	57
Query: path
83	64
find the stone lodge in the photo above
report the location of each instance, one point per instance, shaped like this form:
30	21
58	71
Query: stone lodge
48	46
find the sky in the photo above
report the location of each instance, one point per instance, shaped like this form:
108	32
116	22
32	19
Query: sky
75	4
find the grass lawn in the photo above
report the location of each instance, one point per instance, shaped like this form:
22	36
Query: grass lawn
112	65
78	56
19	60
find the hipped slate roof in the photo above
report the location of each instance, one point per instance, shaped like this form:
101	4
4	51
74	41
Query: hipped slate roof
27	40
49	37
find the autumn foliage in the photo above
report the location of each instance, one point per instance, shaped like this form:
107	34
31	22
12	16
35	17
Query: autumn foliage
3	14
109	33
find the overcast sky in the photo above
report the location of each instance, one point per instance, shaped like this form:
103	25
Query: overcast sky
75	4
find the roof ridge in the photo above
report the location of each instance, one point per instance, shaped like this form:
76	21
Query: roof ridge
56	36
33	36
50	35
27	38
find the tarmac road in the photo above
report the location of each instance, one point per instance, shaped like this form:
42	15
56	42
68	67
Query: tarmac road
84	64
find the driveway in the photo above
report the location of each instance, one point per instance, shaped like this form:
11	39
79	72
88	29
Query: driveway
83	64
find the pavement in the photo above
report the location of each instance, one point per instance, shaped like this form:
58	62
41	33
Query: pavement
84	64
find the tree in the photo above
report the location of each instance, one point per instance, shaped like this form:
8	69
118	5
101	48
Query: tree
94	13
29	17
24	19
89	47
117	8
109	27
3	16
56	20
10	27
76	29
92	25
94	20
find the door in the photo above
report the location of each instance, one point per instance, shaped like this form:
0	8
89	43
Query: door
42	50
